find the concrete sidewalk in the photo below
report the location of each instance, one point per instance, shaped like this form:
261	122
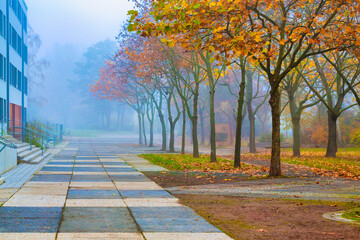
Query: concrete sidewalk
87	192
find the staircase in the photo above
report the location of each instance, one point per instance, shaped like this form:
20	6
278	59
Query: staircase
27	155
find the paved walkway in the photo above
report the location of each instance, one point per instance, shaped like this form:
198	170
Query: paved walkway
89	192
20	174
325	189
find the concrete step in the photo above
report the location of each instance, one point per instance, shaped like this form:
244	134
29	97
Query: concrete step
19	145
23	148
14	140
33	156
40	158
28	152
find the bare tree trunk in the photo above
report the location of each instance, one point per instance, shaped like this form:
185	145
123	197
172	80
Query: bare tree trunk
251	116
172	137
275	165
332	138
202	127
163	123
212	126
151	144
163	132
140	130
150	113
194	122
183	137
143	128
239	118
296	135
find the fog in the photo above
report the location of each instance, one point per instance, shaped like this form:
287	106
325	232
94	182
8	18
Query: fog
140	85
66	29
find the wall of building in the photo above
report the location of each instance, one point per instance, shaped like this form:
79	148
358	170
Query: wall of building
8	159
13	62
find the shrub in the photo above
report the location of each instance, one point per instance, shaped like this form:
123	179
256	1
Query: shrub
266	137
355	137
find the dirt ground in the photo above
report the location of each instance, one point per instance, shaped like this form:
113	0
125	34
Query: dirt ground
181	178
261	218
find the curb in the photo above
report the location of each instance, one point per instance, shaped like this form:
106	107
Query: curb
337	216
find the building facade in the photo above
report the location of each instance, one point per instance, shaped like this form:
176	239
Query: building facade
13	62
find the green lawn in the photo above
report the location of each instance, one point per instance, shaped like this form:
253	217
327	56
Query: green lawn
84	133
353	214
178	162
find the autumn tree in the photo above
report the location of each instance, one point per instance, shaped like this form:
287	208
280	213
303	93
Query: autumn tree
299	98
276	35
334	90
113	86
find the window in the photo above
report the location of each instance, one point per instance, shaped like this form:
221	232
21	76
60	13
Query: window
13	38
5	110
25	53
19	12
25	85
24	22
19	80
2	110
19	45
13	76
14	6
2	67
16	41
2	24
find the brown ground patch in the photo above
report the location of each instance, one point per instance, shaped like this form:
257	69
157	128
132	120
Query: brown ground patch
255	218
182	178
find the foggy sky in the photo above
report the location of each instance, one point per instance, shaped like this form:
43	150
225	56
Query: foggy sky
67	28
78	22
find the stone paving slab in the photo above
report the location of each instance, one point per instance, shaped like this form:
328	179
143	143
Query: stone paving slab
93	194
79	195
151	202
27	236
97	220
128	178
95	236
145	194
61	163
187	236
27	200
90	178
90	173
137	186
6	193
51	178
92	185
29	219
95	203
88	169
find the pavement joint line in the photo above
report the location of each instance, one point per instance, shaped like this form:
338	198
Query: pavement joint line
32	173
128	208
67	193
19	187
137	202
